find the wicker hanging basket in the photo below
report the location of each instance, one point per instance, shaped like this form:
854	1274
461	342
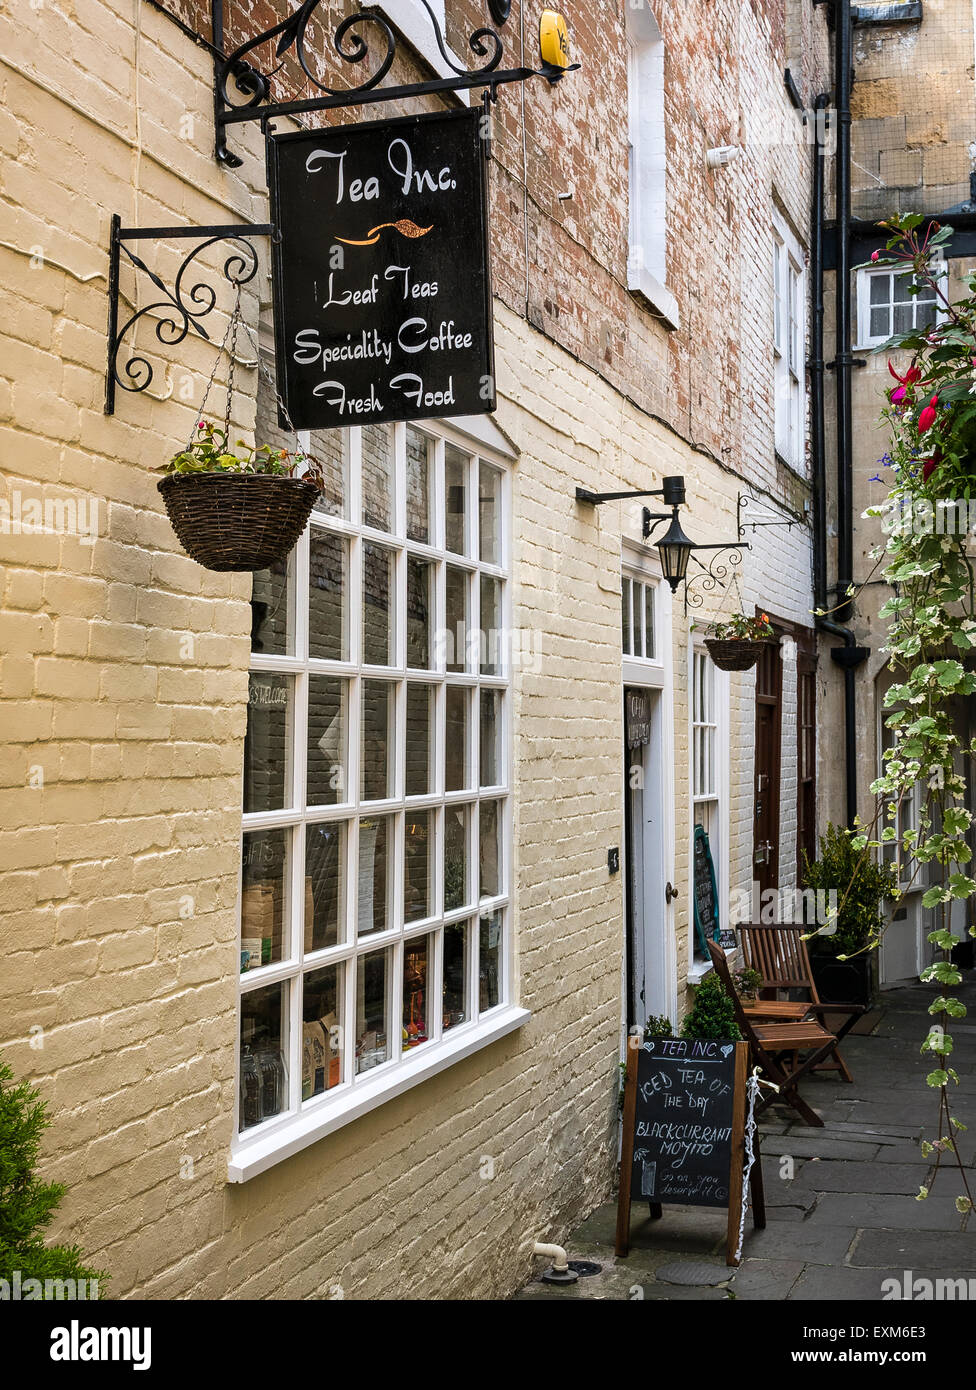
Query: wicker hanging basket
734	654
237	521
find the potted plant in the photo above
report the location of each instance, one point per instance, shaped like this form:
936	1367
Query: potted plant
748	983
657	1028
712	1014
736	645
238	507
840	959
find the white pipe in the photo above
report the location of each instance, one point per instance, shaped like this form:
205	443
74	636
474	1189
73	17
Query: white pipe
556	1253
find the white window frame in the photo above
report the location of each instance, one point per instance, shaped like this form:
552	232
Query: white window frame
634	581
865	277
789	341
647	166
715	720
303	1122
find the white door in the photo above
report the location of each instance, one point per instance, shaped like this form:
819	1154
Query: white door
649	983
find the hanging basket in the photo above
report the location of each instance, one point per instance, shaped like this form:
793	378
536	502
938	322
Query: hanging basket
237	521
734	654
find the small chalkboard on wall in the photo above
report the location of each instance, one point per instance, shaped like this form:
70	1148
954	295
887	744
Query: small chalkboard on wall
684	1132
705	892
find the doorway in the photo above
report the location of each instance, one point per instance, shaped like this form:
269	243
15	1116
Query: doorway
649	986
769	699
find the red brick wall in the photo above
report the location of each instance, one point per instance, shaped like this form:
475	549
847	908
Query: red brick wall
723	59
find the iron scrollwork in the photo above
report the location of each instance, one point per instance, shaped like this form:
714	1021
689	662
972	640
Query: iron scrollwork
181	309
713	575
351	43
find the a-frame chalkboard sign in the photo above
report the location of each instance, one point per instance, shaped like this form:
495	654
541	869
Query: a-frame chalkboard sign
684	1132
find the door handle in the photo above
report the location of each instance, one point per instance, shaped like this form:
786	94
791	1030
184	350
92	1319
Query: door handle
670	893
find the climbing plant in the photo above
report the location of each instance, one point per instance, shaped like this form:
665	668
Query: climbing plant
931	637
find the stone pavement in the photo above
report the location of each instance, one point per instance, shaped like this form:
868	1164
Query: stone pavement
841	1206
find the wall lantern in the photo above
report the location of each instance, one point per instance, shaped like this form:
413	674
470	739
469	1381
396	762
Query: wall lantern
674	547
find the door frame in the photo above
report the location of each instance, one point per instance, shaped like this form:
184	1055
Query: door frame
655	675
782	628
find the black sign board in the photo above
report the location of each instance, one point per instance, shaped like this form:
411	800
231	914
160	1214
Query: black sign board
705	892
684	1124
381	275
638	711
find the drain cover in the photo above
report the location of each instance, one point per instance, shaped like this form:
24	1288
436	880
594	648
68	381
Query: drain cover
693	1272
585	1268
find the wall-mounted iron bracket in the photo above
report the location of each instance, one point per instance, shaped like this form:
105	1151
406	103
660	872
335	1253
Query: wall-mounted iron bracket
767	515
180	310
350	45
713	575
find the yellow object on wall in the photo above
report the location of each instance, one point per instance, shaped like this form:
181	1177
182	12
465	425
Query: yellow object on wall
554	39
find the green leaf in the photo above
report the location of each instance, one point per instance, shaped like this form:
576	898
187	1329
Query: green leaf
937	1078
964	1205
923	1192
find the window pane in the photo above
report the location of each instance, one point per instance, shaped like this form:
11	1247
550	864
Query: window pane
325	884
328	600
420	580
903	289
489	961
456	618
377	608
328	448
649	620
372	1010
490	855
376	750
880	323
416	1019
272	629
264	896
326	777
455	491
377	445
491	723
417	753
418	486
456	739
264	1078
455	989
491	625
321	1031
625	589
267	743
456	821
489	515
880	292
375	874
418	861
903	318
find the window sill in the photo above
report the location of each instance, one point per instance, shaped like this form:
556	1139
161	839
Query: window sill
251	1157
649	292
697	971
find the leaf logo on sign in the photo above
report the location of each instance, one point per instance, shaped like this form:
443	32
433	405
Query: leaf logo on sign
404	226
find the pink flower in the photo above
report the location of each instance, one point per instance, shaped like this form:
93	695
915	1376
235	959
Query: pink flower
931	464
875	255
927	418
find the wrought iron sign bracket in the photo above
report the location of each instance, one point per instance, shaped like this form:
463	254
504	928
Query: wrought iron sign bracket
767	509
715	574
350	45
178	311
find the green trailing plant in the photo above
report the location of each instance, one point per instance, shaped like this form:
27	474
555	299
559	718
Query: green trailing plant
28	1205
712	1014
931	642
741	627
861	885
209	451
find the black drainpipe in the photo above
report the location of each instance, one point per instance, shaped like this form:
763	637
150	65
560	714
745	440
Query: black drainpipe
843	357
850	655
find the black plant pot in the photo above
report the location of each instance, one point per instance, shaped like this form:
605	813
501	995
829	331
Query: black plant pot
843	981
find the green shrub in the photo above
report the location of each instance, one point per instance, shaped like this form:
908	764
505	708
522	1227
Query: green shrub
28	1205
658	1028
712	1014
861	886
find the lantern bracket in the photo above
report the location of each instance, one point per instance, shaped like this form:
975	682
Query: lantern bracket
767	510
715	574
350	41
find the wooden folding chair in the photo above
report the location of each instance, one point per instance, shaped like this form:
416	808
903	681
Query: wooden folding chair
779	954
769	1043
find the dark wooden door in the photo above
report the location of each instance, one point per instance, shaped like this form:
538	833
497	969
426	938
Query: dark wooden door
806	749
765	843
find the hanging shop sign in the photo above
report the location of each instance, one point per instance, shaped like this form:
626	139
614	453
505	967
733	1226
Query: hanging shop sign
381	274
684	1132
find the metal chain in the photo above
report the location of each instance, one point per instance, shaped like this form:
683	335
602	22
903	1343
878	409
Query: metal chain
234	324
213	373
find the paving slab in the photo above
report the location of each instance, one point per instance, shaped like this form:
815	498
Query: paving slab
953	1251
885	1213
812	1242
822	1284
826	1147
766	1279
839	1175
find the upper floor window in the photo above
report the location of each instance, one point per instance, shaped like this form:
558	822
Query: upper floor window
789	299
889	302
647	164
637	617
